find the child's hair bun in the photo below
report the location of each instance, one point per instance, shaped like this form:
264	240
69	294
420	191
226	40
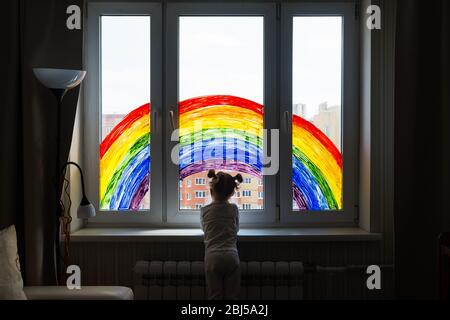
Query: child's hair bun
238	177
211	173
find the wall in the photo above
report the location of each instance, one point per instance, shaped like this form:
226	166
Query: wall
112	263
72	173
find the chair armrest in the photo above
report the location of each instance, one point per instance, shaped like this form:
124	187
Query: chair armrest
85	293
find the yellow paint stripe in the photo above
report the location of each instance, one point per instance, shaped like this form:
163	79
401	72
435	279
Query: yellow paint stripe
223	116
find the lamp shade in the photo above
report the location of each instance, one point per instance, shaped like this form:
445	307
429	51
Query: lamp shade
86	211
59	78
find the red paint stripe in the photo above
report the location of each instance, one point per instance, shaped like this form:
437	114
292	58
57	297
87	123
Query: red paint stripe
200	102
320	136
126	122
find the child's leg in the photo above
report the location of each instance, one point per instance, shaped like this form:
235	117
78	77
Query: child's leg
232	280
214	276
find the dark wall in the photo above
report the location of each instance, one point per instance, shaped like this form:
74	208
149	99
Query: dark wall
111	263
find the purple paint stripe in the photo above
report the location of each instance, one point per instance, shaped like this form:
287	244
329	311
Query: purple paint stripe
299	198
140	193
219	165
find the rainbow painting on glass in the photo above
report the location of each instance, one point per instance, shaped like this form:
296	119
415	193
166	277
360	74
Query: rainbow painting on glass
220	132
232	125
317	168
125	162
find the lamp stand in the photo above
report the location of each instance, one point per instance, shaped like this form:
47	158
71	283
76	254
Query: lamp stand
59	81
59	95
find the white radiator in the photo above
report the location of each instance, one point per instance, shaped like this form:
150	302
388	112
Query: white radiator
185	280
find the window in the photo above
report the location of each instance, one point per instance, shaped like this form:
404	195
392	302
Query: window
318	78
220	96
200	181
200	194
247	193
120	137
230	71
317	87
125	150
220	82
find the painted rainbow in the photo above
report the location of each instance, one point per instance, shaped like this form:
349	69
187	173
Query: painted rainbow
125	162
217	132
220	132
317	168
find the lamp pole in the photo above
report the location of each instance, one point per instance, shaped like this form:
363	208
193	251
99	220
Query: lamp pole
59	95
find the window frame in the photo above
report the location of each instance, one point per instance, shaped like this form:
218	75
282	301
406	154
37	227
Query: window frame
277	101
174	10
92	117
349	111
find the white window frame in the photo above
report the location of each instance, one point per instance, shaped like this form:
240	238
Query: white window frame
174	10
350	115
92	113
277	103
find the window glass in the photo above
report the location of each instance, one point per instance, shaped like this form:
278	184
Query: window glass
221	94
125	113
317	113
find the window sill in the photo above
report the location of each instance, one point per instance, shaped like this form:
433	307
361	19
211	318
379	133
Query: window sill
245	235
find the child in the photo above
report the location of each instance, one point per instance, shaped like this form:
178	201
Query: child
220	223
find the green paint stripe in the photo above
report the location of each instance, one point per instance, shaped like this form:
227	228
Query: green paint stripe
207	134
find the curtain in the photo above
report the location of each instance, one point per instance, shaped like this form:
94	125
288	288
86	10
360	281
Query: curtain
422	143
34	34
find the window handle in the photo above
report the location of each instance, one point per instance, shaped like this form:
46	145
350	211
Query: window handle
172	122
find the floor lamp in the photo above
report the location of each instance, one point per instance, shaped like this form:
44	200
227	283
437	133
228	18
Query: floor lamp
60	81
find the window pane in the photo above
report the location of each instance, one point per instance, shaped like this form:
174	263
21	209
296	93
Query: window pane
317	121
125	105
221	92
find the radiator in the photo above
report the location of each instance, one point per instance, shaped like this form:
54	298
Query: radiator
185	280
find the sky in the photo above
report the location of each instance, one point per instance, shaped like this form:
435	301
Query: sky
220	55
316	65
125	62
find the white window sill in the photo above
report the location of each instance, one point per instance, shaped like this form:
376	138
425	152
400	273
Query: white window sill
245	235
